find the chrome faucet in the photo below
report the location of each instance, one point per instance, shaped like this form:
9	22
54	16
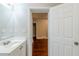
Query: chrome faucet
6	43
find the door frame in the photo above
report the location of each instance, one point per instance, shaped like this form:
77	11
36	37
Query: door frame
36	10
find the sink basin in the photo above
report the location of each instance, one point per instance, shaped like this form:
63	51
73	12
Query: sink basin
4	43
8	43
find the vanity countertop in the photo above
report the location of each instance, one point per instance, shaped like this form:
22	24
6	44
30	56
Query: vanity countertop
10	48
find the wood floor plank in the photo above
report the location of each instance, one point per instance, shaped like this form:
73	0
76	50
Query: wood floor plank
40	47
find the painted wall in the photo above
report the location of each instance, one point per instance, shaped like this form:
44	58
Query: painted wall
41	28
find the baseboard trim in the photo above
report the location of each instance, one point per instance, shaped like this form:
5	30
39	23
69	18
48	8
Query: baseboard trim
42	37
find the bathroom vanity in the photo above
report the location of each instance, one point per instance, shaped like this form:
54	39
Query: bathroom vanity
15	46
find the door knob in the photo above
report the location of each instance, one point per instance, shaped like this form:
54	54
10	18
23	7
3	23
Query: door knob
76	43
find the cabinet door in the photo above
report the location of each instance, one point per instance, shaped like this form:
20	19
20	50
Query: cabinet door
22	49
16	52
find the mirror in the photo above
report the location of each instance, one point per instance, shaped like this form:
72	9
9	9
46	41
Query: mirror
6	22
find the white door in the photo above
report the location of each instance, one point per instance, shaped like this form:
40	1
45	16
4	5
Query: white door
62	38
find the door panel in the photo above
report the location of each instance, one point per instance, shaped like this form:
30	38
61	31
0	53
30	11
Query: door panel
60	49
68	27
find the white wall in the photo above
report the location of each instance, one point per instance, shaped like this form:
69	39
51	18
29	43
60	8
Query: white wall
41	28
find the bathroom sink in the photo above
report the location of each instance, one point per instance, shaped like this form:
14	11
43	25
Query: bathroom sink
4	43
8	43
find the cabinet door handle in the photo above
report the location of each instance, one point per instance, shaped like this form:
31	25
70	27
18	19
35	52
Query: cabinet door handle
21	47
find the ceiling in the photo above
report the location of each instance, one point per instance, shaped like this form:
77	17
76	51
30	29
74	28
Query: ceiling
42	4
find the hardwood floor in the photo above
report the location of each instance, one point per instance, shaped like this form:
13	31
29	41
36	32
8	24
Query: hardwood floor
40	47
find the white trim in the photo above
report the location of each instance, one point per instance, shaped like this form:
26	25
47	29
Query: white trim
43	37
38	9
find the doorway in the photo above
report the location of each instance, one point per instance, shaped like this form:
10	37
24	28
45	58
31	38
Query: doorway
34	31
40	34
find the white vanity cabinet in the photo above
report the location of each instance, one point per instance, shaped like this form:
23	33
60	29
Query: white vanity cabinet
19	51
